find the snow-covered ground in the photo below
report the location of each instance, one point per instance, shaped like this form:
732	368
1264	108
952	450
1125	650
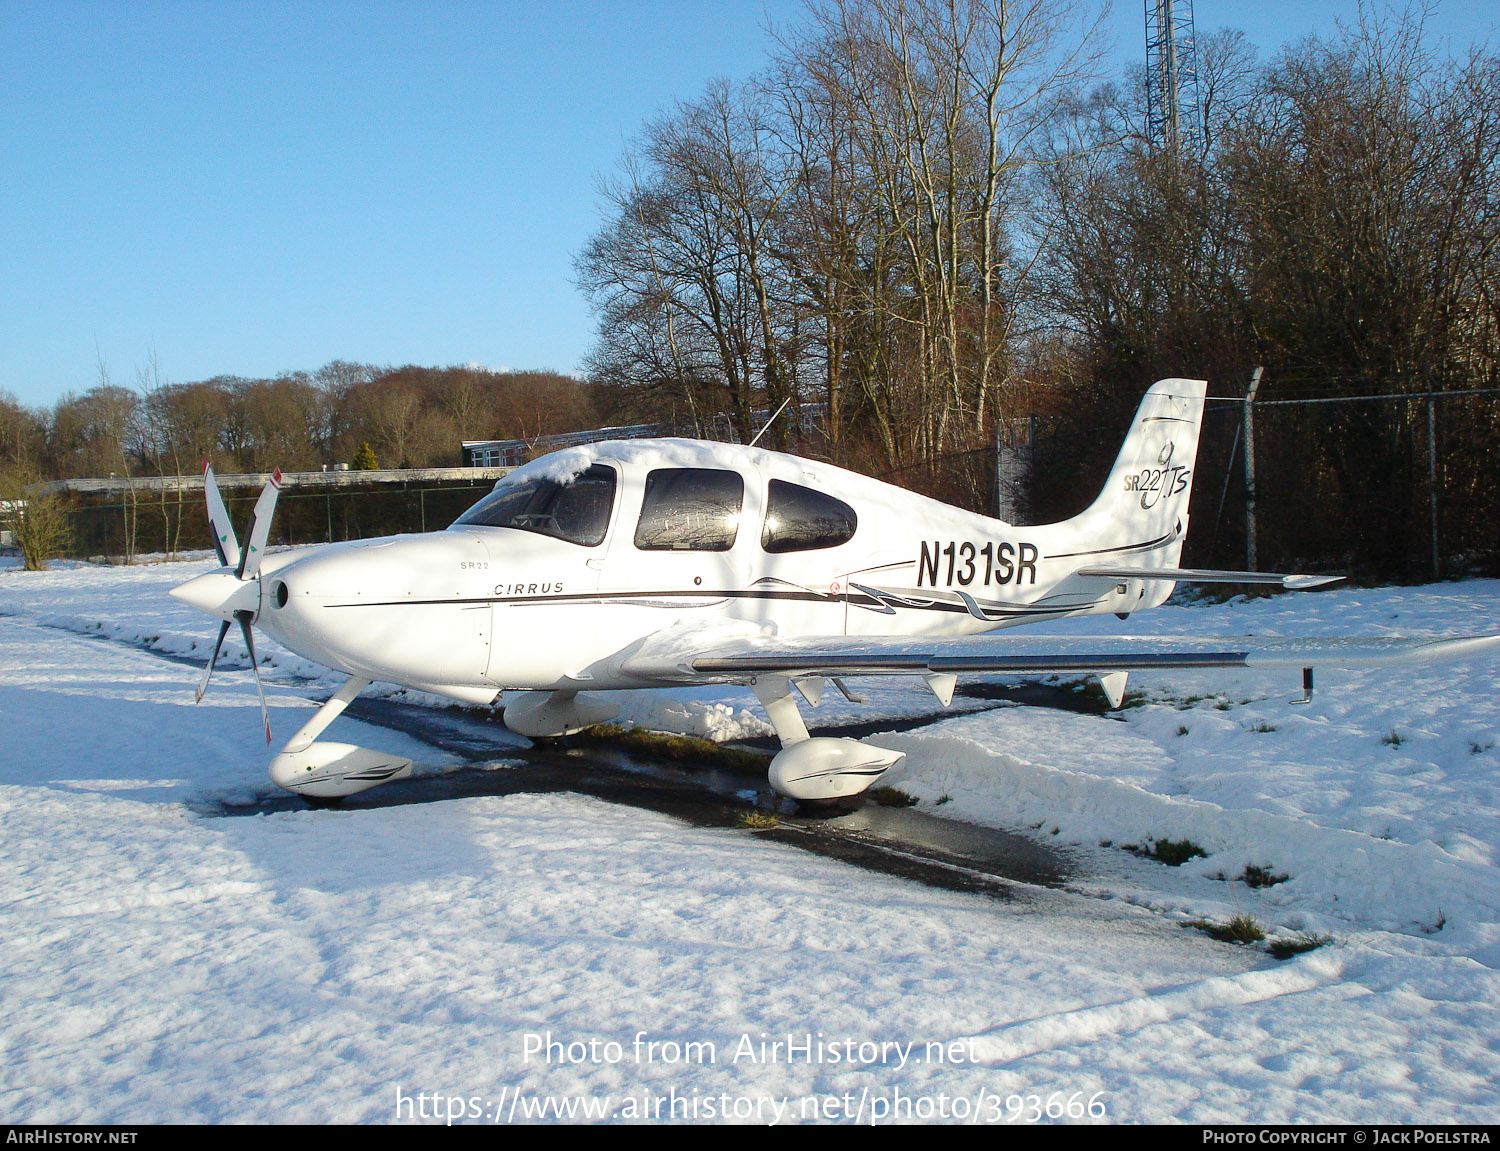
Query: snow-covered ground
489	957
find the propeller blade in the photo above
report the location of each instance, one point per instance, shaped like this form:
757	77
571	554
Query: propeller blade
260	527
213	659
265	716
218	521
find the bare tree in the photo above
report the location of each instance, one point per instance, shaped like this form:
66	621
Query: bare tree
100	433
1364	181
335	381
844	222
393	415
23	436
946	97
679	276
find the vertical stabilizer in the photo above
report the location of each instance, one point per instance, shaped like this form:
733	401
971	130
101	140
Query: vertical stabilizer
1142	513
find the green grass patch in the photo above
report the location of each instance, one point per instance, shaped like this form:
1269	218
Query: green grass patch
1257	876
675	748
1260	725
893	797
1393	738
758	821
1191	701
1286	948
1172	852
1240	929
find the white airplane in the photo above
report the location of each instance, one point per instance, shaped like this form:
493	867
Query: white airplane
654	563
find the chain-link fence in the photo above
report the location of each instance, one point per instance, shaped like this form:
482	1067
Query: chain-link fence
146	521
1379	486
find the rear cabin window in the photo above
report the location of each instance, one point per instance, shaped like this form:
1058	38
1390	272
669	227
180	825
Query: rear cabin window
800	519
690	509
577	510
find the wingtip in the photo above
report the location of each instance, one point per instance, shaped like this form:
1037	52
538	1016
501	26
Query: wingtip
1305	582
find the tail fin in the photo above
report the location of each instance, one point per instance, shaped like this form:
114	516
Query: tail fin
1142	513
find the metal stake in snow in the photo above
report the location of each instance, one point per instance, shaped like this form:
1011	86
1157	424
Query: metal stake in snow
1250	470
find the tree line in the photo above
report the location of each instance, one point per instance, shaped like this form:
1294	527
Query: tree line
357	414
922	217
843	229
299	421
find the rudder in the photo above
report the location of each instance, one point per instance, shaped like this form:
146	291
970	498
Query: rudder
1143	507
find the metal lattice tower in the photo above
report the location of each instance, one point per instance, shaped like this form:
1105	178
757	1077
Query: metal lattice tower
1171	73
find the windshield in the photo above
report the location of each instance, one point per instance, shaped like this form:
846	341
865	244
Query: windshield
576	511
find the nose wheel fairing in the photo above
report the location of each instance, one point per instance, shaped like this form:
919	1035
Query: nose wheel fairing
330	770
334	770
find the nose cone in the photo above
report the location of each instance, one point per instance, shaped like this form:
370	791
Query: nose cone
219	593
407	609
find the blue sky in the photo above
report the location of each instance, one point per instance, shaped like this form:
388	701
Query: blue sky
252	188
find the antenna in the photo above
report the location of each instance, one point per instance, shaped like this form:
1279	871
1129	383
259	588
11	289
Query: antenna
1171	73
771	421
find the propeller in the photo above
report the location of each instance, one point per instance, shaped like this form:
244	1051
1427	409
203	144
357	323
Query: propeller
233	592
218	519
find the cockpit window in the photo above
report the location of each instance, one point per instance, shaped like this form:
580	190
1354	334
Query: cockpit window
800	519
690	509
576	511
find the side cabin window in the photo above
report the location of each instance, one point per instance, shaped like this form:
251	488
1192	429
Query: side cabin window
690	509
576	510
800	519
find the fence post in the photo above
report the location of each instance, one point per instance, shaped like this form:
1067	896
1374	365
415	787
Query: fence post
1250	470
1432	479
999	501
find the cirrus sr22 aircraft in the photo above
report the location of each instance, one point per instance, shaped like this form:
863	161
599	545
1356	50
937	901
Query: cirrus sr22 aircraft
660	563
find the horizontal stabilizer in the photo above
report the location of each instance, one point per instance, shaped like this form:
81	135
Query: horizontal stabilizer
1206	575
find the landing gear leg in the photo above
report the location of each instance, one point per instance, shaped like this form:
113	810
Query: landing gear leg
775	695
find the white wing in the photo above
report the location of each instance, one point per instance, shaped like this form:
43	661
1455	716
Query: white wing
682	658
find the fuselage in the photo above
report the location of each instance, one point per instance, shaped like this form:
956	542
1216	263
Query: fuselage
553	579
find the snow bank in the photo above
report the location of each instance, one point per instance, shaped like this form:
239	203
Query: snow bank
318	966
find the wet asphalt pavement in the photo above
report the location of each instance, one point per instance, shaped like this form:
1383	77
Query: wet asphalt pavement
909	842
